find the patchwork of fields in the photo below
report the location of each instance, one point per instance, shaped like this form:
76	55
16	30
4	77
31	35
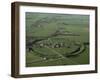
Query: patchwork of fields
56	39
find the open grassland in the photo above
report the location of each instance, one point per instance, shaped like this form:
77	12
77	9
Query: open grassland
56	39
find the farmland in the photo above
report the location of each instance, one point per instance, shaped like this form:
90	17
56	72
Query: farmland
56	39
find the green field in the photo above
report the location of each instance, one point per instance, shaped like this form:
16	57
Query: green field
56	39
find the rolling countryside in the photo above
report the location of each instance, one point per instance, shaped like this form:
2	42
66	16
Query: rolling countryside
56	39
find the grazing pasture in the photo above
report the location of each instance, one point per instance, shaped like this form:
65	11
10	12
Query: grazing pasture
56	39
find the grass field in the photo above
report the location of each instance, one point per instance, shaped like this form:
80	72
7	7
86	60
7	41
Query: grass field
56	39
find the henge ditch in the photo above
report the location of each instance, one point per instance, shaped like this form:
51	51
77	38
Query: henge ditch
81	47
